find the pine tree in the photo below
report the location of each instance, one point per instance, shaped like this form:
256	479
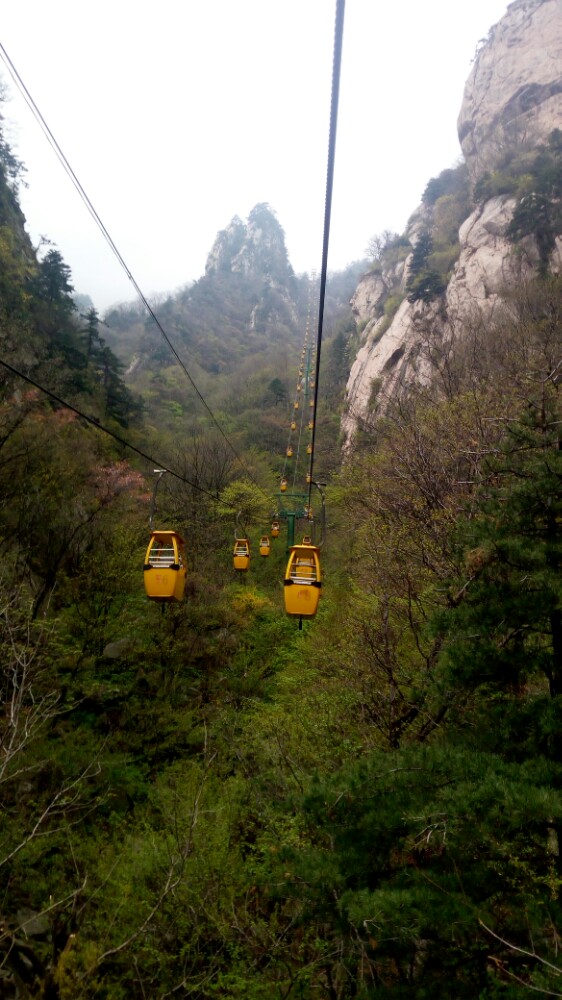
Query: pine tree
538	212
507	628
424	283
91	333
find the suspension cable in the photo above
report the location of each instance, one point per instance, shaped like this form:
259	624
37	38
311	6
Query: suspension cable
336	71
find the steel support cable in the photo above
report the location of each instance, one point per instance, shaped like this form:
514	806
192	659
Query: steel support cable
305	366
303	381
336	72
298	447
293	416
293	420
286	459
106	235
100	427
303	385
305	416
311	414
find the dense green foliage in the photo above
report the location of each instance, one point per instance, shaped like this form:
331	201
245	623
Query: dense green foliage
208	802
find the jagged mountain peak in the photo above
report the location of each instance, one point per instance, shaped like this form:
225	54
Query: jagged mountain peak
254	248
228	243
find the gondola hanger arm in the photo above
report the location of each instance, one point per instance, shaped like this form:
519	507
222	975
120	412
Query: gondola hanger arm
159	473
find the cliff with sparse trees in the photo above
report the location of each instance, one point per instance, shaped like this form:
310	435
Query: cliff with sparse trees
483	227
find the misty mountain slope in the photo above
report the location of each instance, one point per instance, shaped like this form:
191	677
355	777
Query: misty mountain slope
248	301
238	330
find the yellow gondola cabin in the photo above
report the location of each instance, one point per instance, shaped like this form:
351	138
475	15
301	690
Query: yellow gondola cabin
265	545
275	528
241	554
165	567
302	581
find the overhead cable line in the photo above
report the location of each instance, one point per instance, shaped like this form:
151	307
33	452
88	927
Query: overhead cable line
82	193
336	70
100	427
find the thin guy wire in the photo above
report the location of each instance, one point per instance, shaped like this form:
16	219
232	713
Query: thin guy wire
82	193
100	427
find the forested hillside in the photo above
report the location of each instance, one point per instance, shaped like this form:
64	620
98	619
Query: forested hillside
209	802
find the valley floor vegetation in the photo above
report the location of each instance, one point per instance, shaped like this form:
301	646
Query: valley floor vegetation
208	802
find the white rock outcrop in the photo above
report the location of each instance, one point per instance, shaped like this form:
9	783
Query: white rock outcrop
514	91
486	264
513	95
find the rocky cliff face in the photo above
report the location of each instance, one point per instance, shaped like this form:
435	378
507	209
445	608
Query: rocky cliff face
253	248
256	251
512	102
514	92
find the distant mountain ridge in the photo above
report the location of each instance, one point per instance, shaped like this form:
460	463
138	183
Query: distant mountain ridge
248	300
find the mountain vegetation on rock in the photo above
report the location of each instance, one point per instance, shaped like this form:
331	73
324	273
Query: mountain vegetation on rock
488	223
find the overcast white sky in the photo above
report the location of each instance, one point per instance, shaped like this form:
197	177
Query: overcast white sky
178	115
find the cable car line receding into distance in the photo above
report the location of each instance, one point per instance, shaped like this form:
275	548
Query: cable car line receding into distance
113	247
299	416
336	72
302	584
309	577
